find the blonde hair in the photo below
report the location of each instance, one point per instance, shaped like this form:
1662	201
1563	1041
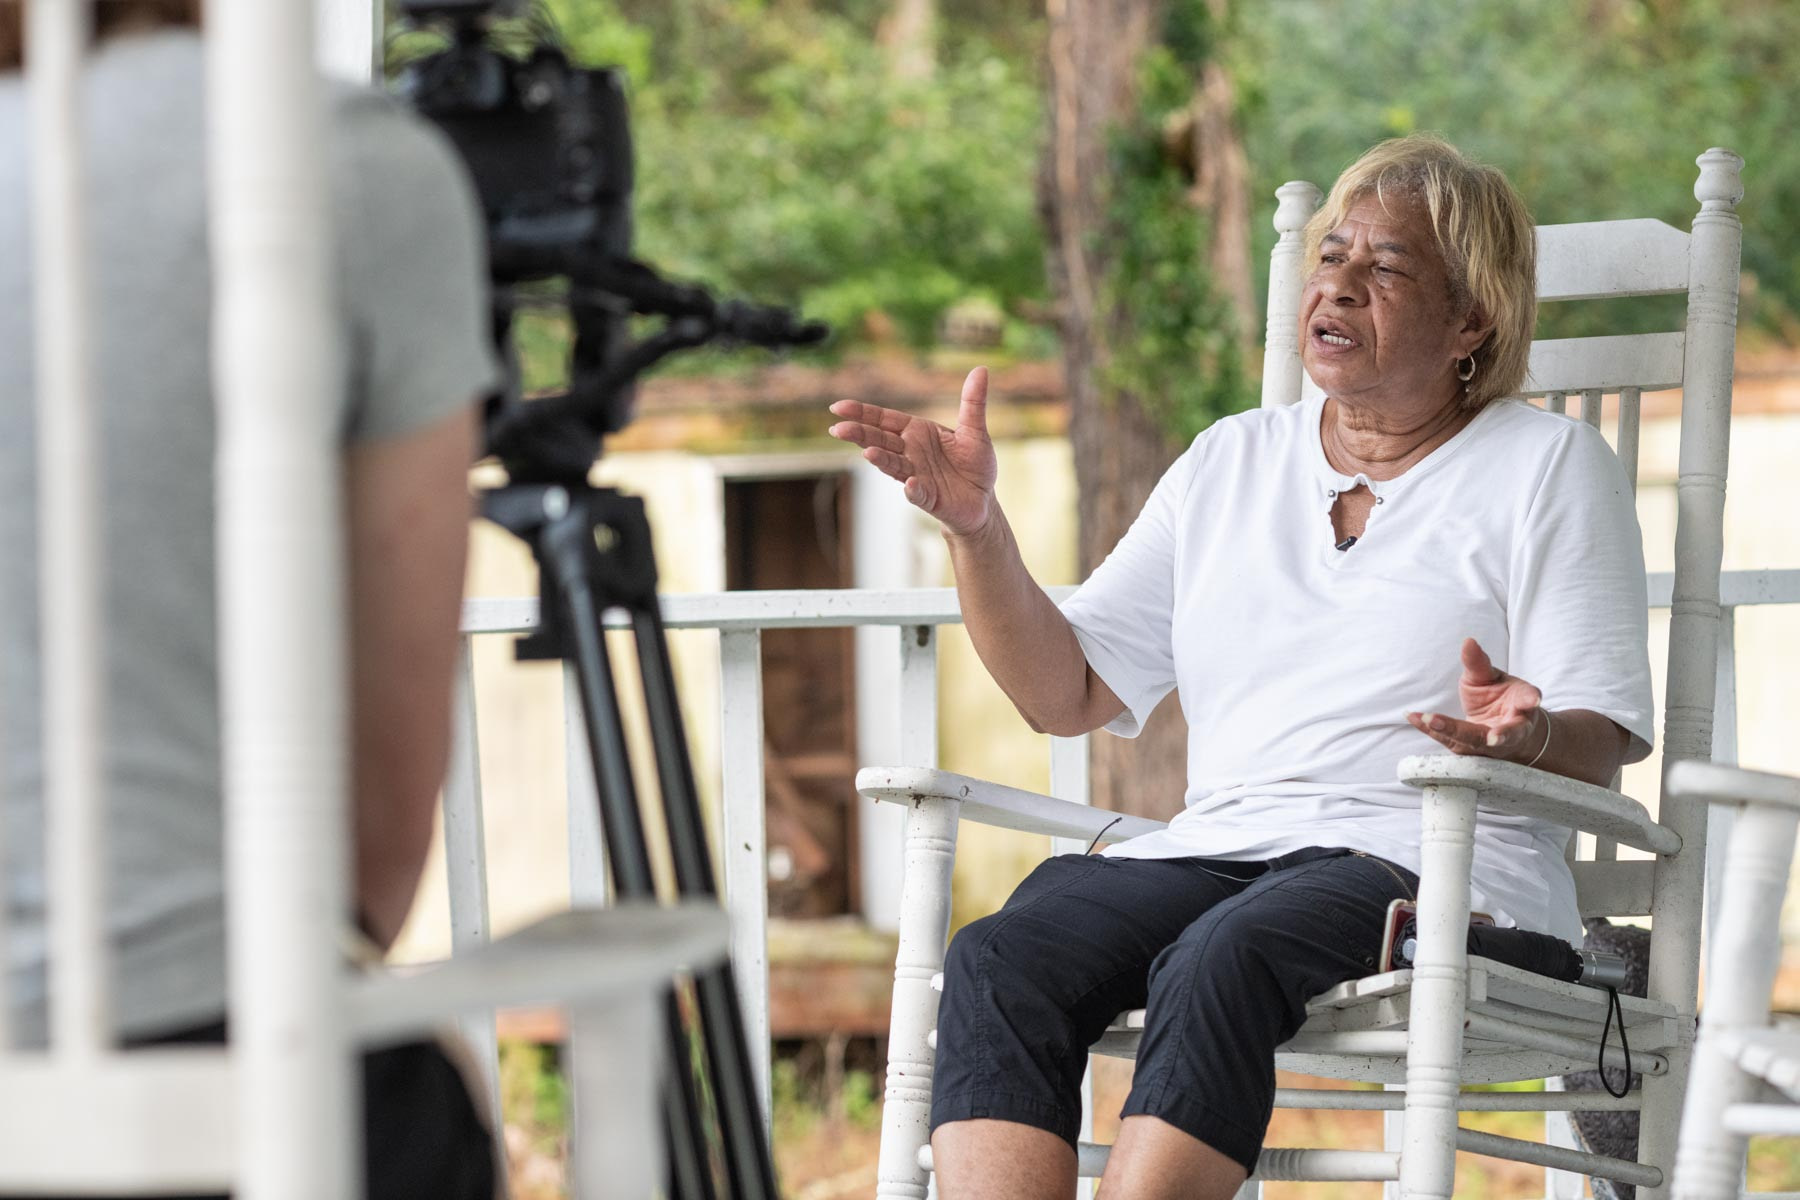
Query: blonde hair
1483	230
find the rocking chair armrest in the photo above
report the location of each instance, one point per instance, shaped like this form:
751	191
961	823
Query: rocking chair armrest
1555	798
1717	783
568	958
1004	807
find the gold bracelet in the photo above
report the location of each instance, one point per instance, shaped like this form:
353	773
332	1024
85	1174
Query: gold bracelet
1549	728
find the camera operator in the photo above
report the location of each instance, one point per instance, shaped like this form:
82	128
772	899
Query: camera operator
415	358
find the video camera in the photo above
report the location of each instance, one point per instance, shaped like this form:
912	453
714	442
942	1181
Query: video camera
549	147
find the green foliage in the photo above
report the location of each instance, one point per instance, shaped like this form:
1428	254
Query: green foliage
778	158
801	1099
534	1092
862	1100
1594	110
1174	345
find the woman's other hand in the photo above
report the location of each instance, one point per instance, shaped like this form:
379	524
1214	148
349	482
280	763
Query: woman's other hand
949	473
1504	714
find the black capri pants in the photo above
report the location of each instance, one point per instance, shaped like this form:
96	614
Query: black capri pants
1223	954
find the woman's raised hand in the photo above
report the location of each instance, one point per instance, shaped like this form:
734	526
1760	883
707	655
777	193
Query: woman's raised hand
1503	712
949	473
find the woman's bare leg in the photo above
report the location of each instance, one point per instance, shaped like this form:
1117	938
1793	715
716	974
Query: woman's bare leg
1001	1160
1153	1160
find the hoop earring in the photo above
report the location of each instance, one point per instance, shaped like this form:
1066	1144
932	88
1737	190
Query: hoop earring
1465	376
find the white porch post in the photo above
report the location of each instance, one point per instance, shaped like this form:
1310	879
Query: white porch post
275	366
349	39
69	537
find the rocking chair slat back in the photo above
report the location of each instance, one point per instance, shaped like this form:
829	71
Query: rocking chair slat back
1594	260
1604	364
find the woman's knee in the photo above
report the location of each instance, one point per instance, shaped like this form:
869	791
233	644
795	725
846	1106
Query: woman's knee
1026	942
962	960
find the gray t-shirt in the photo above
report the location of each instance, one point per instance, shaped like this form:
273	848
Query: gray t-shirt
415	338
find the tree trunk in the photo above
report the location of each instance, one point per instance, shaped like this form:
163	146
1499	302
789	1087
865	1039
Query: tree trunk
909	35
1222	191
1096	47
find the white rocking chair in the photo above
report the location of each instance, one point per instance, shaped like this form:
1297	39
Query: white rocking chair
1452	1019
1746	1075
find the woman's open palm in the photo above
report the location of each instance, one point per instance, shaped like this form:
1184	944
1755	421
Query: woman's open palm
949	473
1501	711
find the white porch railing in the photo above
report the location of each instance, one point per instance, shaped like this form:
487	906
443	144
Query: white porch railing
741	852
740	618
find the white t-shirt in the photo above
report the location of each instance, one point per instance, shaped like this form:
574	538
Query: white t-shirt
1296	662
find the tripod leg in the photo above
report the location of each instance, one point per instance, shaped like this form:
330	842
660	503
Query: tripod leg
628	853
594	548
728	1052
691	1174
627	849
674	767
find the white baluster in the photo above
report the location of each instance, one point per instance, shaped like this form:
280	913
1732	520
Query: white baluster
465	866
918	696
70	537
744	831
281	620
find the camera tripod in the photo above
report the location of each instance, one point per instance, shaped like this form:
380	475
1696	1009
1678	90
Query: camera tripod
593	551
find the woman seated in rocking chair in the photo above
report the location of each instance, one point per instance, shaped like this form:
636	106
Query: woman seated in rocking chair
1328	585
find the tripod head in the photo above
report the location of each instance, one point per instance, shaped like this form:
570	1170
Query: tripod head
548	145
556	437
